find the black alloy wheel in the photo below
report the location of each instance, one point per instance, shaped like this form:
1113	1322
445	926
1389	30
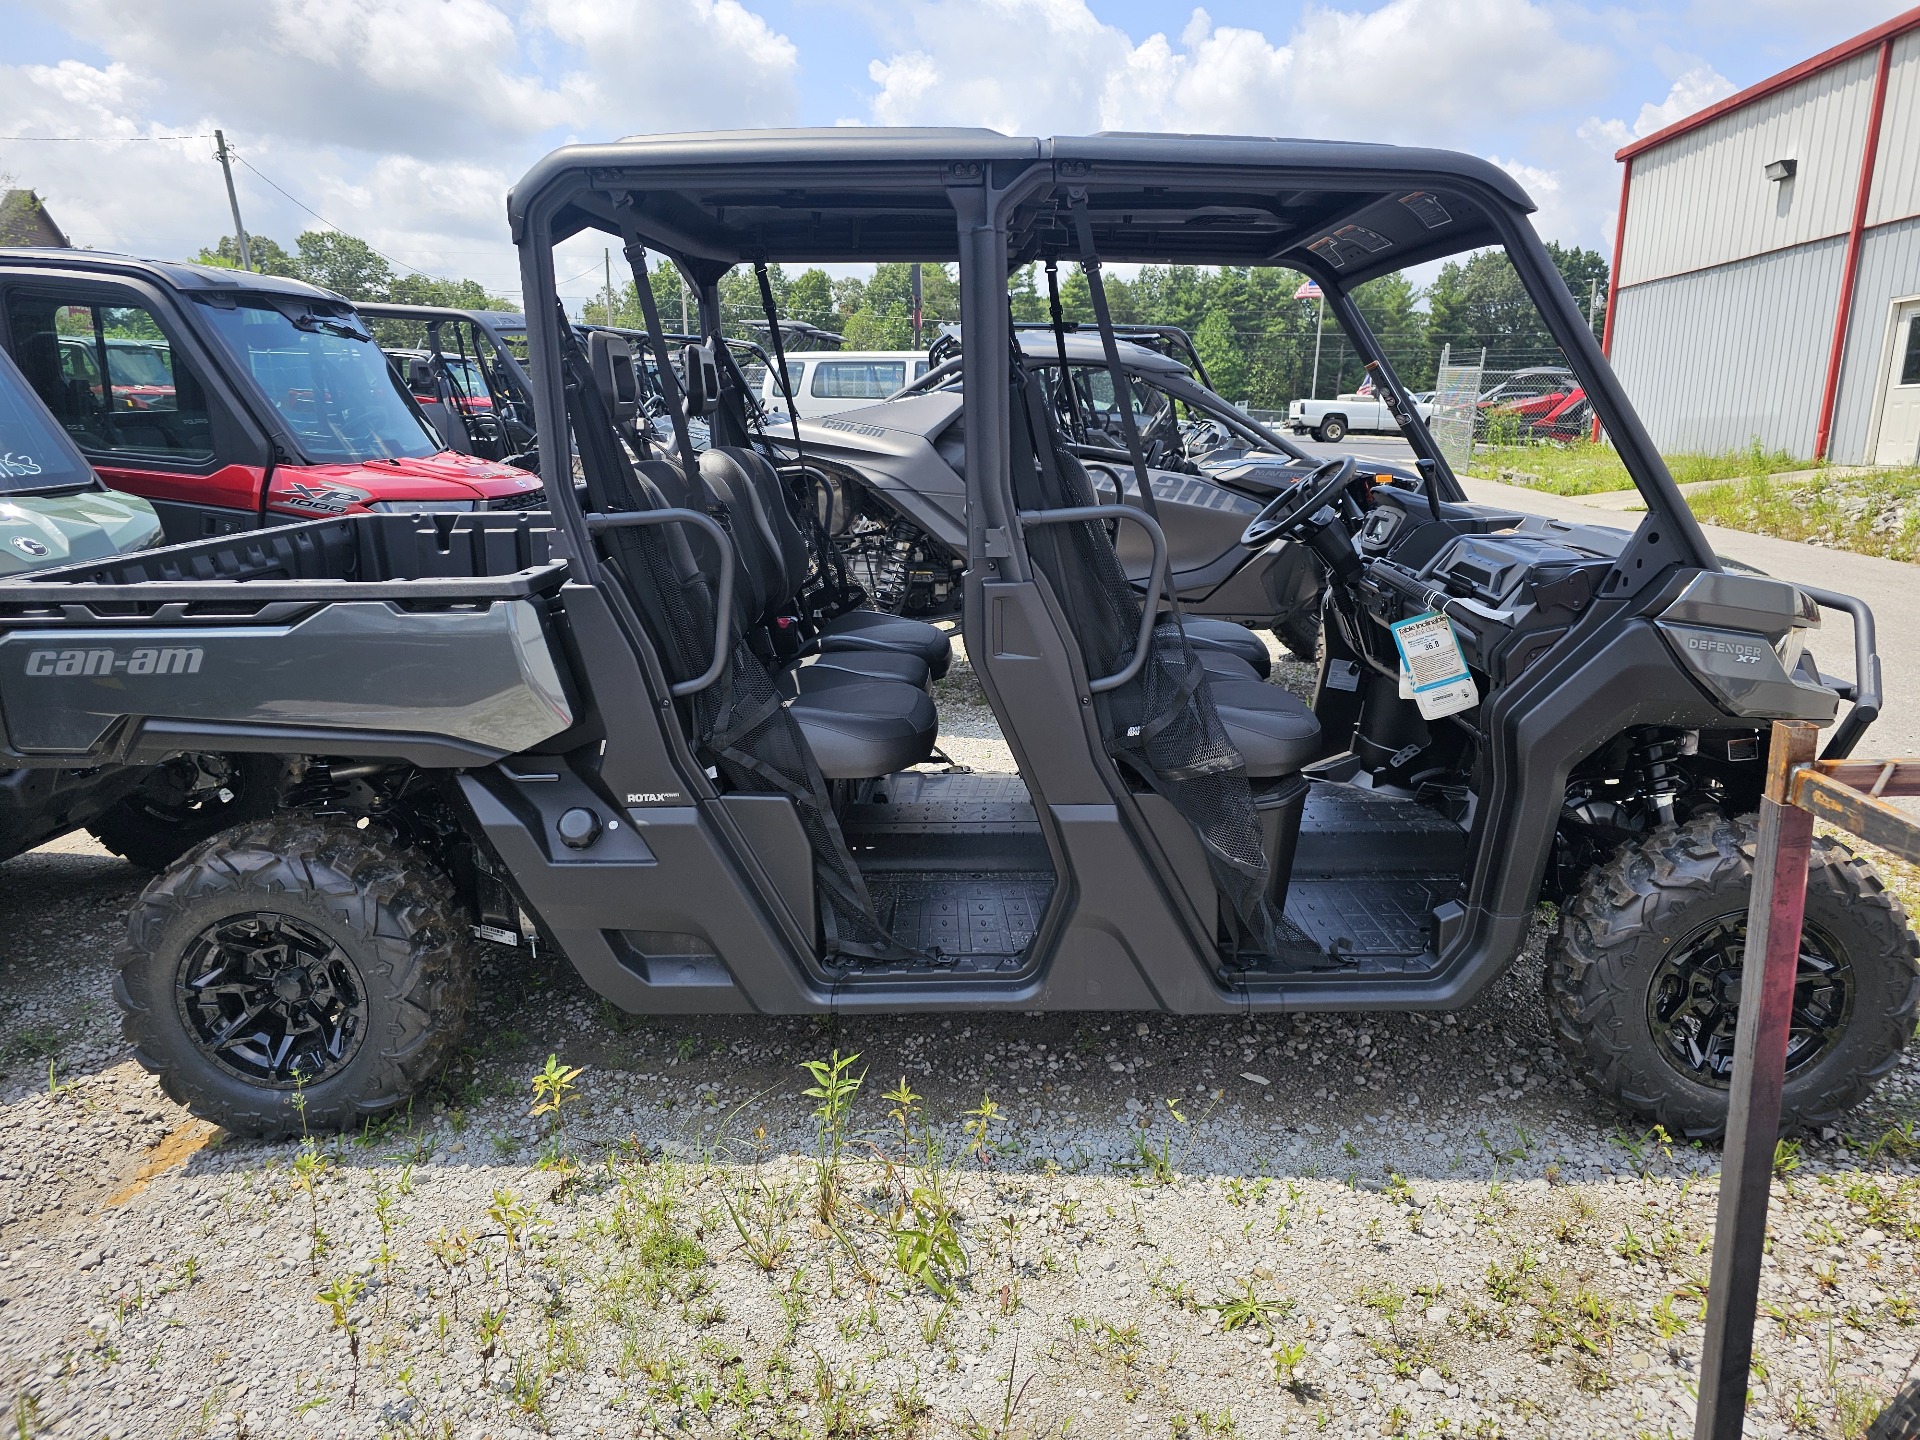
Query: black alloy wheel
272	1001
1694	1000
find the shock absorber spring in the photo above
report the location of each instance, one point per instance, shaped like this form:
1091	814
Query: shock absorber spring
1655	770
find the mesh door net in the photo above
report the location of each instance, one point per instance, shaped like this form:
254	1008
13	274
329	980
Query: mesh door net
1162	724
738	723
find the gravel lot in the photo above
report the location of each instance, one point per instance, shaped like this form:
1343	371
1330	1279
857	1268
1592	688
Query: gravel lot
1362	1225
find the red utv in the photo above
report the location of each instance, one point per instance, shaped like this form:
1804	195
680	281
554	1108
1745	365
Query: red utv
236	400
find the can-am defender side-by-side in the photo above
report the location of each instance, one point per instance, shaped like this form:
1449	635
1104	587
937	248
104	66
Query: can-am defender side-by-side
898	501
463	374
230	400
54	511
643	729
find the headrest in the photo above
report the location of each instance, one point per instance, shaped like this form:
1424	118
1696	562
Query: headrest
611	359
420	376
703	379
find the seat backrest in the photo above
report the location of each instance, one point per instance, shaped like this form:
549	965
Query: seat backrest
728	473
777	505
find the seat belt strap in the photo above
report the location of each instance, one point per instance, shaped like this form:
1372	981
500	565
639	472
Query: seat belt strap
1074	423
1122	391
657	342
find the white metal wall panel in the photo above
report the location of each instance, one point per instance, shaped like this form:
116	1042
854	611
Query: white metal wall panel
1896	179
1889	269
1713	359
1704	199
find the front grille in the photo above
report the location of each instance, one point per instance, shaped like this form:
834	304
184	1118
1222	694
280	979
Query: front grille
525	500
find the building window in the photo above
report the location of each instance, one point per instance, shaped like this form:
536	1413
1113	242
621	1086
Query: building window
1910	366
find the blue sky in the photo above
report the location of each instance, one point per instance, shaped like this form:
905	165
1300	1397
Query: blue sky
406	120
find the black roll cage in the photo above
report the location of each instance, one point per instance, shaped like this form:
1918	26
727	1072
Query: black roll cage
1340	213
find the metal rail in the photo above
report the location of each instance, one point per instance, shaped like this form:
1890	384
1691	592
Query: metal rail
1848	794
1157	585
599	524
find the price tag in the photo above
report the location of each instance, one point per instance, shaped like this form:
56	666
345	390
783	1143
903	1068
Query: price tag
1432	669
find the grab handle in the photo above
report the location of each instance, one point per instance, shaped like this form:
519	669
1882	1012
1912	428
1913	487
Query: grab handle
723	612
1157	585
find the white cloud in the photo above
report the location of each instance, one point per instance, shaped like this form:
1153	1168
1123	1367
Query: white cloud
1694	91
1426	70
403	121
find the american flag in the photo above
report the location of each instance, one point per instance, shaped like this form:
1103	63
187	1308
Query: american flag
1308	291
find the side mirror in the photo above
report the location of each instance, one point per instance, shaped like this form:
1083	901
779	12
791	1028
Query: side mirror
611	359
703	380
420	376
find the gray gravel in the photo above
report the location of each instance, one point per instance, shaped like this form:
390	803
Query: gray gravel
1456	1236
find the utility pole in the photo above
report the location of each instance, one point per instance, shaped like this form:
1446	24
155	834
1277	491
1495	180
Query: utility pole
233	199
606	257
1319	328
1593	299
914	281
685	328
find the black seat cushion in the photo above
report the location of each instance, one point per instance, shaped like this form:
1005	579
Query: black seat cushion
1220	665
860	667
1274	731
871	630
861	732
1223	635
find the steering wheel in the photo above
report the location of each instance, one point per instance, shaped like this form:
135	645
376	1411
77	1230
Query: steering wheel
1289	511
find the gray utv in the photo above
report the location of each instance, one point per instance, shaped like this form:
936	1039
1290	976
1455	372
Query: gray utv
648	729
897	501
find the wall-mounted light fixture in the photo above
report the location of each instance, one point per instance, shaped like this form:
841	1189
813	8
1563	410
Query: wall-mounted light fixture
1782	170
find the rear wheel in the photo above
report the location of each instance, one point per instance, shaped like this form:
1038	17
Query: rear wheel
1332	430
186	800
295	964
1643	980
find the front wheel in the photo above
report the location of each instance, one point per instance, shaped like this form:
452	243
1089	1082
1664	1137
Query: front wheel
1643	980
1332	430
295	974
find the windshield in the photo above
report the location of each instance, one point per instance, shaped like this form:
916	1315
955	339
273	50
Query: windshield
328	380
35	454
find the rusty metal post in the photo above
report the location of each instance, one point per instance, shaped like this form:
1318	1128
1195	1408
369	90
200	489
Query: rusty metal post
1759	1072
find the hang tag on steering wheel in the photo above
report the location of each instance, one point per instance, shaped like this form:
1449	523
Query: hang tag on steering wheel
1432	667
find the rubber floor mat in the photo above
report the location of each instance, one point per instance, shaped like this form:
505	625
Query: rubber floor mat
1345	916
982	914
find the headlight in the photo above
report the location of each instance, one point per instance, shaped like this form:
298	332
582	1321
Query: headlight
420	507
1789	647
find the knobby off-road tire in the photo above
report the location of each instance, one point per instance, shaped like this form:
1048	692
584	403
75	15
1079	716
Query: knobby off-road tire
1301	635
381	933
1642	916
1901	1419
159	822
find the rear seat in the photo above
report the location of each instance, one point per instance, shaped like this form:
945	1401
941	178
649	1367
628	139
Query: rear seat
859	726
858	632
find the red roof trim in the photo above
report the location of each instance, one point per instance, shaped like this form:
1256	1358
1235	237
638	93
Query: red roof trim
1825	60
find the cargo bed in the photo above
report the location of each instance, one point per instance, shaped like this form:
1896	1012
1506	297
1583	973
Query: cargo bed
418	637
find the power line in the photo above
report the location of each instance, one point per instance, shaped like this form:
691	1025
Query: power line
391	260
99	139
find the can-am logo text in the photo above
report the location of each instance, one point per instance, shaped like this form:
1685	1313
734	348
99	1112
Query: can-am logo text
147	660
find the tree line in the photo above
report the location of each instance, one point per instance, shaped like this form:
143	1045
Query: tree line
1257	339
349	266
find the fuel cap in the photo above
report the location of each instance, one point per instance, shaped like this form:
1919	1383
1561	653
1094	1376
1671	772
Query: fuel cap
578	828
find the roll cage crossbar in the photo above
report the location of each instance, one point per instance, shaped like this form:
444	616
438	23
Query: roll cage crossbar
1337	212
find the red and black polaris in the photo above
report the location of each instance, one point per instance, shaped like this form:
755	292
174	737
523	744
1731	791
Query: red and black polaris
261	400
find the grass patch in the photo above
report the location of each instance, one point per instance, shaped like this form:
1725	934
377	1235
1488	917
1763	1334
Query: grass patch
1876	513
1584	468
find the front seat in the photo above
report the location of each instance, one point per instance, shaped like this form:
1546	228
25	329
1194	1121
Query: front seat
1274	731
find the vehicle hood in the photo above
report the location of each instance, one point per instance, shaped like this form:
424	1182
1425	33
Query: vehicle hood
331	489
37	531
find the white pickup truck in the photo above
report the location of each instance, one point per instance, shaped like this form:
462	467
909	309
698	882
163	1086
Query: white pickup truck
1330	421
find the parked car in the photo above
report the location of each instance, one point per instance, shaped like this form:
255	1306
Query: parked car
54	511
1331	421
825	382
230	400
